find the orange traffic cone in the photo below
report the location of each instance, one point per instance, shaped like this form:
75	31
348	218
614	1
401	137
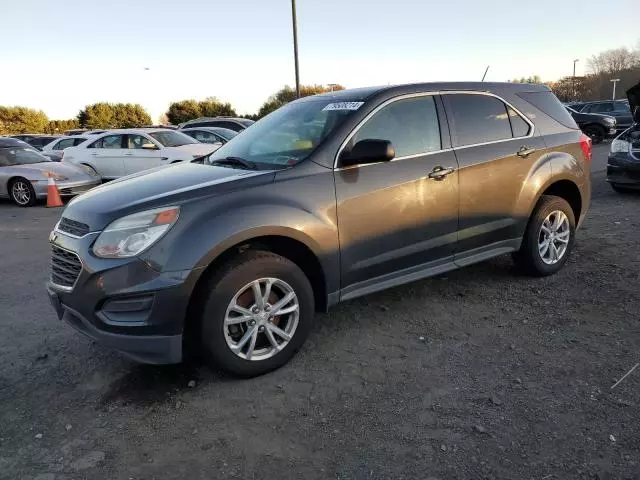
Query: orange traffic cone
53	195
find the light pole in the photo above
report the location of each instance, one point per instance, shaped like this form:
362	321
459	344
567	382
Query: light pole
573	79
295	46
614	81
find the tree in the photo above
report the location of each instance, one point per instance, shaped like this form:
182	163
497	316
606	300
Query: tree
60	126
186	110
613	61
532	79
182	111
113	115
212	107
163	119
288	94
22	120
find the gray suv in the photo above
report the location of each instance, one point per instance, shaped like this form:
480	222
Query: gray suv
329	198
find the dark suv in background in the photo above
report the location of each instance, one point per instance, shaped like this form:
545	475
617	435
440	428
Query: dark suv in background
623	165
329	198
597	127
619	109
231	123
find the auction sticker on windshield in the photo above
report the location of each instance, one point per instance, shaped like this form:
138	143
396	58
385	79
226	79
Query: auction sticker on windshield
344	106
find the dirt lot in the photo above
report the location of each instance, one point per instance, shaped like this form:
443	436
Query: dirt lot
481	373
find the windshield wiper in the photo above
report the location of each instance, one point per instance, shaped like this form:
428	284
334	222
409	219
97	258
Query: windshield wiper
235	161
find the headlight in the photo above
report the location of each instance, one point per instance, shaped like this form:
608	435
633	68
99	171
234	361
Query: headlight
620	146
56	176
610	121
131	235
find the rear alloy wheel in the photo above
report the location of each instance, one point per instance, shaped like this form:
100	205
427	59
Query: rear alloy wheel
258	313
596	133
549	237
22	192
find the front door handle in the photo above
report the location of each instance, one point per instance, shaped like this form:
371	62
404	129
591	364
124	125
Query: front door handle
439	173
524	152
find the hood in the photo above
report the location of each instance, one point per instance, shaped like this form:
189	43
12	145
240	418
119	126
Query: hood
37	171
633	94
196	148
172	185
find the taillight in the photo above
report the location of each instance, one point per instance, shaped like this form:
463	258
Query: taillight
585	145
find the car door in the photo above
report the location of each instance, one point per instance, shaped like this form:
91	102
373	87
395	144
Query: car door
142	154
496	150
106	156
395	222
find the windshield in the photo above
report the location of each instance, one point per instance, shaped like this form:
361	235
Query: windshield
288	135
20	156
172	139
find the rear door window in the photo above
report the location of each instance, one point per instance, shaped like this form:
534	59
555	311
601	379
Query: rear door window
601	107
110	141
478	119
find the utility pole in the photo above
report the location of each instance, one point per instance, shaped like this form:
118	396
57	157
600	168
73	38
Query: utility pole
614	81
573	79
295	46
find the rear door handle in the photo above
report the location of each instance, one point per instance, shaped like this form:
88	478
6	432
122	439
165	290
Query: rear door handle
524	152
438	173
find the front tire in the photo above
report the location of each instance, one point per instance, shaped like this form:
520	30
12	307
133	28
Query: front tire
596	133
549	238
258	312
22	192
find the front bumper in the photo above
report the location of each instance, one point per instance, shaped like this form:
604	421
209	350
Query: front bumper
623	169
66	189
124	304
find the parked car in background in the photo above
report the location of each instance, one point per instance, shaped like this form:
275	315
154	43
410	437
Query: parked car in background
235	254
117	153
35	140
82	131
596	126
232	123
623	164
24	174
619	109
59	144
210	134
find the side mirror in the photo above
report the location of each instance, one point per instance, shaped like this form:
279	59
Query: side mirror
368	151
149	146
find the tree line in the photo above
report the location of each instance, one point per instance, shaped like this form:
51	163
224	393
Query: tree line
621	63
618	63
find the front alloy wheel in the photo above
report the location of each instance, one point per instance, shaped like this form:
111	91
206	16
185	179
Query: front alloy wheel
261	319
22	193
258	311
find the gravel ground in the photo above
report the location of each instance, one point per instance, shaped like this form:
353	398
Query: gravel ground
480	373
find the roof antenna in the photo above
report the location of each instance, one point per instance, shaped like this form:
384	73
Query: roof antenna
485	74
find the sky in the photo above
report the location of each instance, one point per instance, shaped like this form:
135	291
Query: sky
60	55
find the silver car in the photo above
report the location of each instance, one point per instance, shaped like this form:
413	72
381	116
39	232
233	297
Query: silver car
24	174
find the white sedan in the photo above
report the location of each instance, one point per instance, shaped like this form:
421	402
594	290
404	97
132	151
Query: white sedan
117	153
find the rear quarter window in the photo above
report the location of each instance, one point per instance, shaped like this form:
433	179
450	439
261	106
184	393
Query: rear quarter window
551	106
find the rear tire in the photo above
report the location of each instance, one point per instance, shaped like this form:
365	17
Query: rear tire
223	329
22	192
532	257
596	133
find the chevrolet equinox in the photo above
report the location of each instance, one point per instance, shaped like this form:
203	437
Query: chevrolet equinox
328	198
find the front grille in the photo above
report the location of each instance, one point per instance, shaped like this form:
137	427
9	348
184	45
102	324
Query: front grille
72	227
65	267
